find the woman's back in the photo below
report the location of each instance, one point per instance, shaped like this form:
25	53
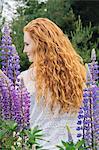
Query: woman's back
53	124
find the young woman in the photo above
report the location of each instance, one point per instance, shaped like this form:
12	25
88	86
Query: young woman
55	80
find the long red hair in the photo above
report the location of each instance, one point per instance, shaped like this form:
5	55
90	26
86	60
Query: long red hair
60	71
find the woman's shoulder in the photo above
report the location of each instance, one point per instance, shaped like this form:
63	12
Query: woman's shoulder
26	74
23	74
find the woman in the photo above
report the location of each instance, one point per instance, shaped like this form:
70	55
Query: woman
55	80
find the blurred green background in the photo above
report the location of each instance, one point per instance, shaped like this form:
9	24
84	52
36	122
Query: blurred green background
79	19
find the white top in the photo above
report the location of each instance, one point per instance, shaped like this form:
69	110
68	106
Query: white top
53	125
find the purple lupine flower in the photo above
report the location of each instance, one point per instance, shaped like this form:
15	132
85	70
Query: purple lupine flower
6	99
88	77
80	123
90	113
17	109
94	70
89	123
95	96
93	55
94	67
24	97
5	52
14	102
13	64
87	117
9	56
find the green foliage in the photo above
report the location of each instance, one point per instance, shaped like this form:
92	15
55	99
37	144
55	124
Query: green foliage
82	40
80	145
88	10
50	9
27	139
70	145
62	13
17	37
12	139
33	9
33	135
7	139
29	11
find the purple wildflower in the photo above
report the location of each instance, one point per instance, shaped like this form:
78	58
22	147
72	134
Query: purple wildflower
89	123
94	67
90	108
95	96
9	56
14	102
6	100
93	55
24	103
80	123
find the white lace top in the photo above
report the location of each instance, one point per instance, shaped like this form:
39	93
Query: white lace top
53	125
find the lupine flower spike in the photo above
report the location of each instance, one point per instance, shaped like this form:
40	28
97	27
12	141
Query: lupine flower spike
9	56
88	117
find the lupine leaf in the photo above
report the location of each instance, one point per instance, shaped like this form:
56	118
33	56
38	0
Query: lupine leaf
79	143
61	148
11	124
2	133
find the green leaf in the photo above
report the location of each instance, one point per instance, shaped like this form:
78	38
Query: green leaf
2	133
38	147
61	148
11	124
79	143
35	130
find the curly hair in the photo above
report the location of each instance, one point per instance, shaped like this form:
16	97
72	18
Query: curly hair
60	72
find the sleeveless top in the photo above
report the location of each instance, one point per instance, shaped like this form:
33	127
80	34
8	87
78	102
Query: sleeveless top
53	125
